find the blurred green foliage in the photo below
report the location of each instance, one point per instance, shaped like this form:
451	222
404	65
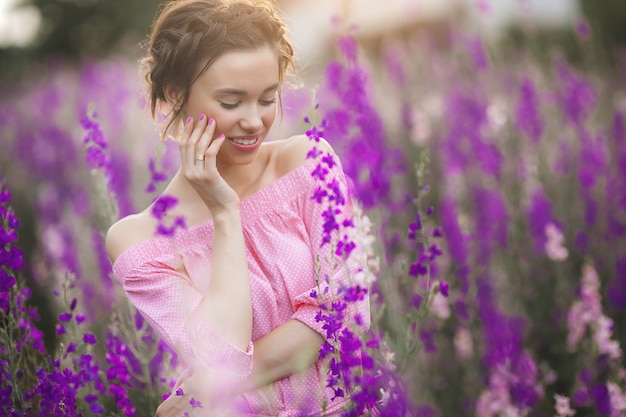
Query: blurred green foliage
72	29
608	20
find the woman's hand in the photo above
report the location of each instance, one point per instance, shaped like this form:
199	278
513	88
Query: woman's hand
198	152
175	405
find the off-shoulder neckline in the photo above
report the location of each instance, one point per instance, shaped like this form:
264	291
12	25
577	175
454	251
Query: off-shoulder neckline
251	205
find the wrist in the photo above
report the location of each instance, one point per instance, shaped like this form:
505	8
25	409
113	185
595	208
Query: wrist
226	216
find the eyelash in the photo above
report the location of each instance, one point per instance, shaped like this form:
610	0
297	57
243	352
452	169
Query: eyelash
231	106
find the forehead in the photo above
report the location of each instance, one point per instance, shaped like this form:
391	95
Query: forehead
249	70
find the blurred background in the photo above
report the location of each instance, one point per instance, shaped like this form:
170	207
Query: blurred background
33	32
521	105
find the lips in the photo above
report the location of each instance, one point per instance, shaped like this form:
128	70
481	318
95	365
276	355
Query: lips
245	141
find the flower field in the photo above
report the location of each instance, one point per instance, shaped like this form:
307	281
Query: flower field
492	182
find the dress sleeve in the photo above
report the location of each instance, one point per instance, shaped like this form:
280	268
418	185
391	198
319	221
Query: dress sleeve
162	291
335	278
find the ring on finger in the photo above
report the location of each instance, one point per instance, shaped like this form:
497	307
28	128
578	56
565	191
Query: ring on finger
200	157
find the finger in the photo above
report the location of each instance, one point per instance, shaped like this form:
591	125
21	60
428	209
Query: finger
187	129
205	139
188	145
215	146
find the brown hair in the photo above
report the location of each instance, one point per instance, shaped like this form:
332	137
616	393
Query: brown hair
189	35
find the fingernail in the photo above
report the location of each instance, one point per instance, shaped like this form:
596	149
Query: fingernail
210	120
189	119
201	116
221	136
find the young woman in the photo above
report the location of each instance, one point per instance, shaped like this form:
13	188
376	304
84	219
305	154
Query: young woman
232	292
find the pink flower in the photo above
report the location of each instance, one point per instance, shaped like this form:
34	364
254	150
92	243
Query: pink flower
554	243
618	398
587	313
562	406
463	343
439	306
602	332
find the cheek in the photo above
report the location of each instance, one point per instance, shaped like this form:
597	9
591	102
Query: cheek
225	120
269	117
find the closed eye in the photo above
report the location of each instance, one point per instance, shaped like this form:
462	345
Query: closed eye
229	106
267	102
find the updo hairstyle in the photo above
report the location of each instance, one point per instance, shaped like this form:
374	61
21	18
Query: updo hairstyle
189	35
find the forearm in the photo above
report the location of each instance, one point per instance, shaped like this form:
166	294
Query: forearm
226	306
289	349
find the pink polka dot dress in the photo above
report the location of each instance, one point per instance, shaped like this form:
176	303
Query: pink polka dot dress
165	278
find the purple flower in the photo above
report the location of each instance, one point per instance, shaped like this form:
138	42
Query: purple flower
416	302
617	288
478	53
577	95
65	317
602	400
455	240
539	215
159	210
583	30
415	227
443	287
90	339
195	403
162	205
155	176
418	268
357	129
491	222
528	114
313	153
320	172
315	134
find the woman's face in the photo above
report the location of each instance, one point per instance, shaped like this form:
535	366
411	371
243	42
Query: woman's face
240	91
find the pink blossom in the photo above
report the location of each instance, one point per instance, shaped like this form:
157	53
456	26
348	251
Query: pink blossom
562	406
554	243
496	401
587	313
618	399
463	343
439	306
363	253
602	332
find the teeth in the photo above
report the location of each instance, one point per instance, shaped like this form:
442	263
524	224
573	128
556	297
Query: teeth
244	141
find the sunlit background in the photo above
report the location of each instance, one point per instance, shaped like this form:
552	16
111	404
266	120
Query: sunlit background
515	110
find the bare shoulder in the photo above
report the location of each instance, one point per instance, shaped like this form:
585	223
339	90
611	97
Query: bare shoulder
128	232
292	153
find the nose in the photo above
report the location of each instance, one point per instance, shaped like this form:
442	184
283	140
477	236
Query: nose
252	121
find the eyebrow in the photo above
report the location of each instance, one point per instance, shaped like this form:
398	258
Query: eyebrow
235	92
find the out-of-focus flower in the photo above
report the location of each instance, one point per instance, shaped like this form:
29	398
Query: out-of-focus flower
161	206
463	343
439	306
583	30
363	252
554	243
562	406
528	113
618	398
587	313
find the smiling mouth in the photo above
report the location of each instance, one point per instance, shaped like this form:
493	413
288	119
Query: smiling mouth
244	142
